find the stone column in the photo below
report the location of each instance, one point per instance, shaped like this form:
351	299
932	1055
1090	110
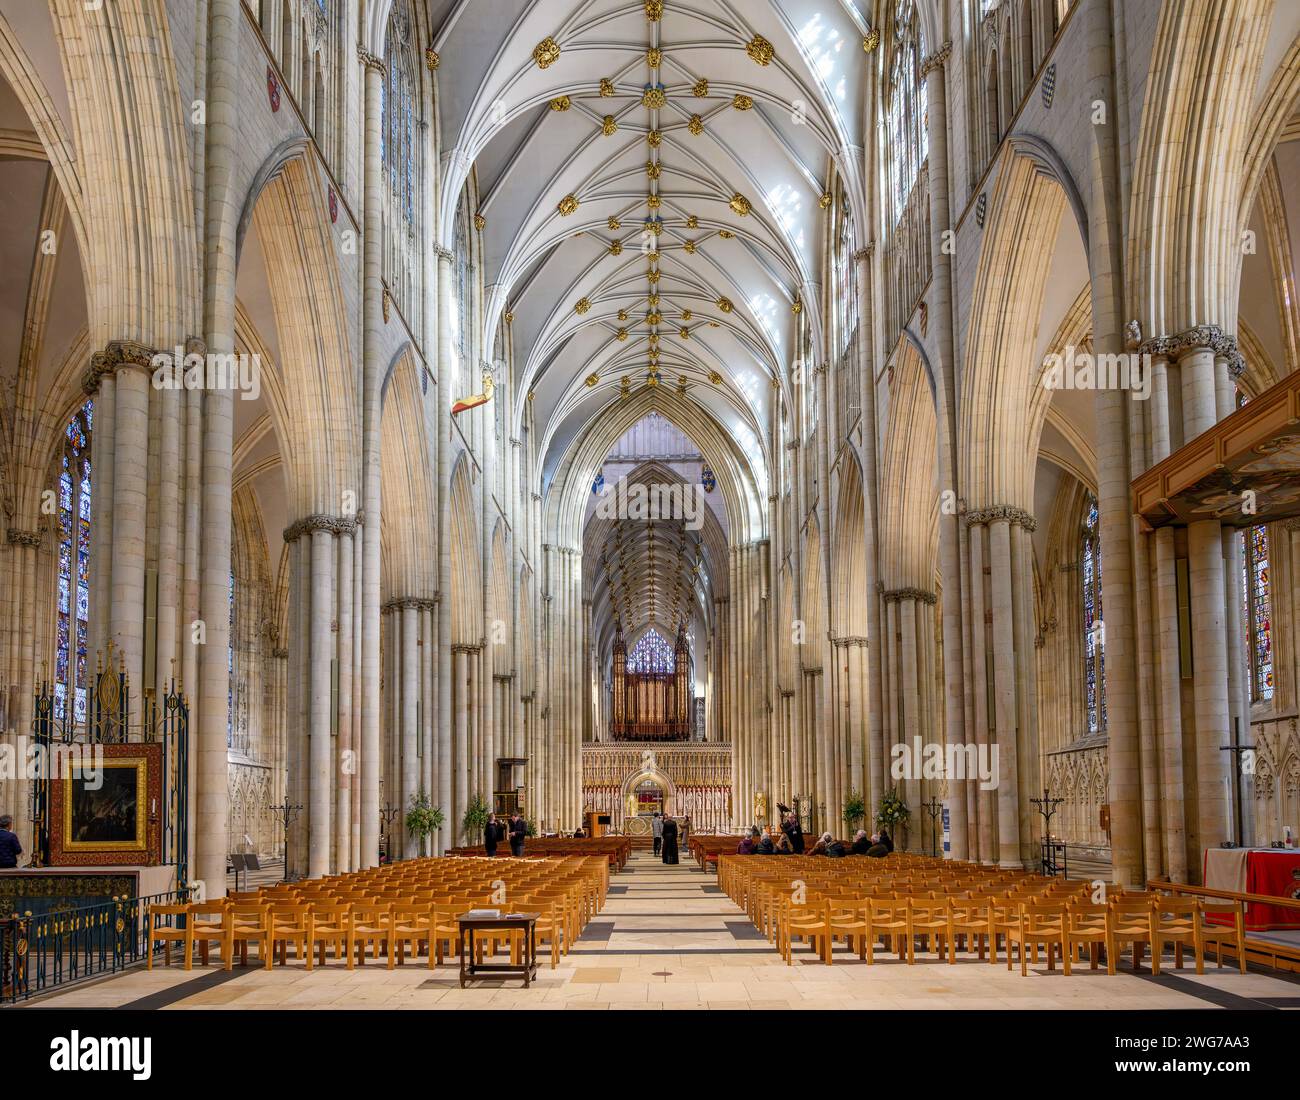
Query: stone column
346	760
408	662
321	748
446	682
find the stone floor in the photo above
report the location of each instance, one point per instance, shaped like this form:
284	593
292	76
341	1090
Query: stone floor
669	938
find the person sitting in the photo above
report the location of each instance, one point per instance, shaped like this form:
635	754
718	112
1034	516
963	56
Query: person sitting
579	833
747	843
835	849
823	841
861	842
765	846
783	847
877	850
886	839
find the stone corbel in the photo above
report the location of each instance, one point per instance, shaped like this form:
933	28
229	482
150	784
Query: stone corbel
936	59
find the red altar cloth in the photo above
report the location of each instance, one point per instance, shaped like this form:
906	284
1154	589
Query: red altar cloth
1268	871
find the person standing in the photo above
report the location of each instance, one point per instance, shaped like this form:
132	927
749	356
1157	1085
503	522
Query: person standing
790	826
10	846
518	831
685	828
657	831
492	834
670	841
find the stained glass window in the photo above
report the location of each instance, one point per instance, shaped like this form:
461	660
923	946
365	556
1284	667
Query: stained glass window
1094	637
845	283
653	653
401	116
71	669
905	122
1257	599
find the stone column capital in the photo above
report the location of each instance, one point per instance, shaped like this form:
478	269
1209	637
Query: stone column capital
1001	513
16	537
897	595
937	59
335	525
371	61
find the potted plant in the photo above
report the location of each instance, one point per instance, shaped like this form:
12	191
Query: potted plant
422	818
892	811
531	826
476	815
855	809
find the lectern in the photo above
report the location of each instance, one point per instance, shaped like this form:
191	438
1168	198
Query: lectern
596	824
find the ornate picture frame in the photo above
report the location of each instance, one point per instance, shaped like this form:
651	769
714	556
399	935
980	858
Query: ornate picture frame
116	822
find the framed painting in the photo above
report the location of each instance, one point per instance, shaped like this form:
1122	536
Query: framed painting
109	815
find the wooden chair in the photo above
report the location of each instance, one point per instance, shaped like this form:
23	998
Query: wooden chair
1178	921
252	924
291	924
175	928
968	918
1217	933
929	919
328	923
1040	922
1130	922
410	924
1087	924
367	923
809	922
892	918
207	931
851	918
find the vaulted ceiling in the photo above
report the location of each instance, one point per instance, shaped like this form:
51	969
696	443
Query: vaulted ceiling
651	178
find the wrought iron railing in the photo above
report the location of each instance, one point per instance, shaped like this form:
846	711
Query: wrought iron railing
43	952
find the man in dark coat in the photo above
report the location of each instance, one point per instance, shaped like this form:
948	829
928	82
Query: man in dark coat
492	834
886	839
670	841
790	826
861	842
518	831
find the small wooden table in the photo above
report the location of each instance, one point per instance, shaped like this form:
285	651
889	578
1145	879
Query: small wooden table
525	922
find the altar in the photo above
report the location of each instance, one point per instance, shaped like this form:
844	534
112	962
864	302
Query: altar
1270	871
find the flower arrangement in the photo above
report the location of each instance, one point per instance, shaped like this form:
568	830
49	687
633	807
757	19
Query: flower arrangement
892	810
476	815
855	808
423	818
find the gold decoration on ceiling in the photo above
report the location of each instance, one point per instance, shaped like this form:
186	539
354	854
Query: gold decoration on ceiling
652	257
687	315
796	307
740	205
509	317
568	205
654	317
655	138
725	234
681	385
546	53
606	87
654	10
479	222
715	378
624	386
652	380
432	59
654	339
616	248
653	301
689	248
653	170
742	102
561	103
653	99
652	276
592	379
701	88
532	394
871	40
582	306
825	201
653	201
614	225
622	315
696	125
725	305
654	228
684	333
609	126
714	324
654	57
760	50
692	222
621	335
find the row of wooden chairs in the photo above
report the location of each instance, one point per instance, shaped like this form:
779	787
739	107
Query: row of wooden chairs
1063	926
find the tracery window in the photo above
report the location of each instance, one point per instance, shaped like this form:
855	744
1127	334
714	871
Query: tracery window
1094	637
71	671
906	130
401	117
845	289
653	653
464	292
1257	600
